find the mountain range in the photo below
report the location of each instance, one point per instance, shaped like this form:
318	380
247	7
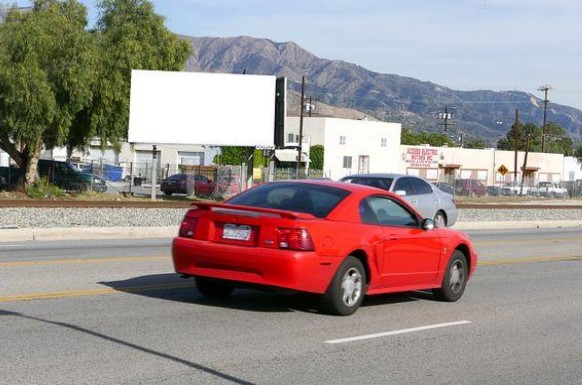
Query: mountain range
348	90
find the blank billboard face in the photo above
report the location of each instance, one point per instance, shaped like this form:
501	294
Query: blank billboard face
201	108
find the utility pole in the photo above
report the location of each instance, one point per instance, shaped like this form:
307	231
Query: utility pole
300	126
527	142
461	139
544	88
310	105
515	144
445	116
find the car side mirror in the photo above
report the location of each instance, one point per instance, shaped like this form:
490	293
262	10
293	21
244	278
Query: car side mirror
400	193
428	224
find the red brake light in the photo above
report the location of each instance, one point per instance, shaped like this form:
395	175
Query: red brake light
188	226
294	239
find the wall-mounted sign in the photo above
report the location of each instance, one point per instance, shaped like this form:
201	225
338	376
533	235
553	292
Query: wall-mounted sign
421	157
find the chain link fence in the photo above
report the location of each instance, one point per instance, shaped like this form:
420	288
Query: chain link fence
530	188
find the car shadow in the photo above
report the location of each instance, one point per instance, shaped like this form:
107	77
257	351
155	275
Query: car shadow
131	345
171	287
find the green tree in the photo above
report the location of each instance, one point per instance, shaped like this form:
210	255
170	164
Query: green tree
236	155
129	36
474	143
578	154
47	72
316	153
435	139
556	139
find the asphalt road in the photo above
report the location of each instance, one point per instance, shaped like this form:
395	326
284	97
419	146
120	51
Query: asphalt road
96	312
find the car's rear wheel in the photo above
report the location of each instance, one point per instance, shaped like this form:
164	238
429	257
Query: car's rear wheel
440	219
455	279
347	288
213	288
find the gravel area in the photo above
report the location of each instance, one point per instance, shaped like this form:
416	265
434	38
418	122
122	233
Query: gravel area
26	217
501	215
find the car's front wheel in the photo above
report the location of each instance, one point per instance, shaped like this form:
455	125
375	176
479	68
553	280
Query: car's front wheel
347	288
455	279
212	288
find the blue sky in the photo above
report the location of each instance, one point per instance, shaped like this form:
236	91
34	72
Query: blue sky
462	44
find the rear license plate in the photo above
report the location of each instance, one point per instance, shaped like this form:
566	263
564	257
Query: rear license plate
236	232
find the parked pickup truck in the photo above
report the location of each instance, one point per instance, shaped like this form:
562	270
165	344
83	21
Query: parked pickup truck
61	174
548	189
514	188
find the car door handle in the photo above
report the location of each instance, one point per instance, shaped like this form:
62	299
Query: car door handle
392	237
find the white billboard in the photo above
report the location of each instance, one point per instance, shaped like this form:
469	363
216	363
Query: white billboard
201	108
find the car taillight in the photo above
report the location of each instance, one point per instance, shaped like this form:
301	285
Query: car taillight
188	226
294	239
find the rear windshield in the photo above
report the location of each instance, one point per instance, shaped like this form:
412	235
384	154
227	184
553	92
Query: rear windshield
313	199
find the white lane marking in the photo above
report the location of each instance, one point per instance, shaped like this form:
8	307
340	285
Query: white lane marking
396	332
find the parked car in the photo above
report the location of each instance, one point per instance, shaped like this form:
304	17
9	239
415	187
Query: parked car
187	184
549	189
339	240
445	187
514	188
99	184
470	187
494	191
426	198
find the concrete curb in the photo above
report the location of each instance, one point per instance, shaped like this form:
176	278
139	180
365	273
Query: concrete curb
60	234
77	233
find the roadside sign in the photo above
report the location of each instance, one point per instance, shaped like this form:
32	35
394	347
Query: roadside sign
502	170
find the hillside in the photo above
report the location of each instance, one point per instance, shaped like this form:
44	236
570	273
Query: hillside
349	90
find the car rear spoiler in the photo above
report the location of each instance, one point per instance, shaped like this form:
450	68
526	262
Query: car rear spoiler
248	210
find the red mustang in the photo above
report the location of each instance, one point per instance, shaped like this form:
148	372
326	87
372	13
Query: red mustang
340	240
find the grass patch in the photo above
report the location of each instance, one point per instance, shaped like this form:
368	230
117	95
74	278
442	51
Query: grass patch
41	189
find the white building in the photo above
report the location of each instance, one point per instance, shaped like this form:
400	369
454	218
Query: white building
351	146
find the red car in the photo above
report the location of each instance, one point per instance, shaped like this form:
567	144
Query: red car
339	240
187	184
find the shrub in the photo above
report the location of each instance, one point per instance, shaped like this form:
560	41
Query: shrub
41	189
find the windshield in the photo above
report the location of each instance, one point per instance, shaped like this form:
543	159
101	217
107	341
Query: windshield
302	197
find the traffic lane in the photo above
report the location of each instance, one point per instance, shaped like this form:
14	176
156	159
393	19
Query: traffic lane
49	250
522	244
175	336
83	277
85	267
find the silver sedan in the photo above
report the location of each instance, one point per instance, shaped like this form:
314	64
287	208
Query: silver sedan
429	200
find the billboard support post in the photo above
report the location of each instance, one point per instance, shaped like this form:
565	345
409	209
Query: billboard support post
154	158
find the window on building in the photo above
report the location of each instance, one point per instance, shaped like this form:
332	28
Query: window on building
292	138
342	139
383	142
347	162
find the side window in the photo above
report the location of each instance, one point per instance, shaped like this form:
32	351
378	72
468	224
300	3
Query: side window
385	211
404	184
420	186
